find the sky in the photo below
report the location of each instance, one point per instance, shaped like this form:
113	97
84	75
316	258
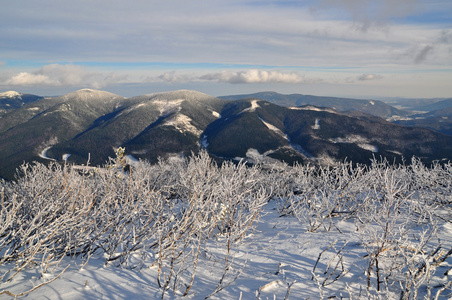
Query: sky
344	48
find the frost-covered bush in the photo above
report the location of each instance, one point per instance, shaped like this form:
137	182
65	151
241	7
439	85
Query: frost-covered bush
160	214
396	210
171	214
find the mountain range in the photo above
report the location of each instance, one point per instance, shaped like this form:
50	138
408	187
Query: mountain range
88	125
372	107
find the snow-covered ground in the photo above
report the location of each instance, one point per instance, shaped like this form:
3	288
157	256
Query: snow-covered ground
331	233
278	254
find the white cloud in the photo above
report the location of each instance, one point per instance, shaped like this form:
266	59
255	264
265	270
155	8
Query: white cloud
171	76
24	78
254	76
64	75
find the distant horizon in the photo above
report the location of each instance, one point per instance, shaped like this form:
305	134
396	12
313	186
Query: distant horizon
222	95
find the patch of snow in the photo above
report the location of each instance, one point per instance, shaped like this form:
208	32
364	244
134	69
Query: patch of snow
253	156
368	147
313	108
275	129
66	156
316	125
301	150
398	118
33	108
252	108
203	142
395	152
371	102
182	123
9	94
215	114
65	107
131	160
358	140
167	107
43	154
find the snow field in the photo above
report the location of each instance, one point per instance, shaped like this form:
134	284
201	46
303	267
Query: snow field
193	229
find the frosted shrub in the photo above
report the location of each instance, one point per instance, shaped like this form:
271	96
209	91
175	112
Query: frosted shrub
317	195
396	210
172	215
215	202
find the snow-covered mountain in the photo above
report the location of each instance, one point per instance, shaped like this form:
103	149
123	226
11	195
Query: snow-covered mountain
11	100
90	124
315	134
28	131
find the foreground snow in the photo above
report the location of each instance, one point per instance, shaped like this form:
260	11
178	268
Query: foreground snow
279	253
323	234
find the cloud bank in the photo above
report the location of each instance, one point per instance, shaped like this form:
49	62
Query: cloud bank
73	75
64	75
254	76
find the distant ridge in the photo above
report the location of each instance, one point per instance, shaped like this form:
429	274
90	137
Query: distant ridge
11	100
372	107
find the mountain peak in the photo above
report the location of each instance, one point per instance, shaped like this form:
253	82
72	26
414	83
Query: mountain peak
88	94
9	94
181	94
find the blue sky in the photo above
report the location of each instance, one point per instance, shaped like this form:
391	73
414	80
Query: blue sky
352	48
